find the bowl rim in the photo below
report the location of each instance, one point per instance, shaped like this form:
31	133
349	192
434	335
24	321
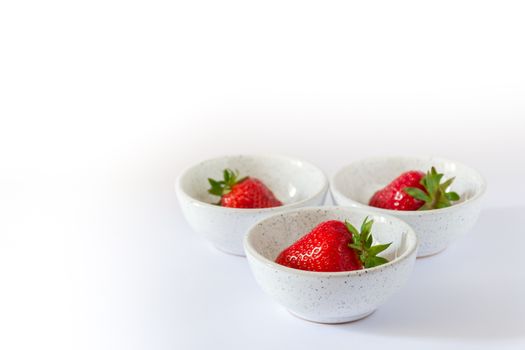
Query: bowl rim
253	253
476	197
323	188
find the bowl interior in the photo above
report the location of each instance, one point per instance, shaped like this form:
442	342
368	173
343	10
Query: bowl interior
360	180
272	235
289	179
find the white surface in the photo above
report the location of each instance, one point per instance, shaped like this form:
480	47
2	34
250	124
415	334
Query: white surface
103	103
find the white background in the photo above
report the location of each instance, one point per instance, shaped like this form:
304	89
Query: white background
102	104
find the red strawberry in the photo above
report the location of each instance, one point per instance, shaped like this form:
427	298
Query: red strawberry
393	195
247	192
334	246
415	190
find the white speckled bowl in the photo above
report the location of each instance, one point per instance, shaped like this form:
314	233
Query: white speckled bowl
355	184
294	182
329	297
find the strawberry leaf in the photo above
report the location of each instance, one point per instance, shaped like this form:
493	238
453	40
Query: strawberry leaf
366	227
216	187
222	187
452	196
351	228
374	261
355	246
379	248
445	185
369	241
417	193
362	244
228	174
435	194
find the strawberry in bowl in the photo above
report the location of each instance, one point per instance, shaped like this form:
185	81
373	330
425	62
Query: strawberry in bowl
321	268
245	192
415	190
221	198
334	246
440	205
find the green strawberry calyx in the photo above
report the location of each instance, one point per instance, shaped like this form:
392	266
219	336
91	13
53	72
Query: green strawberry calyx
222	187
436	195
362	244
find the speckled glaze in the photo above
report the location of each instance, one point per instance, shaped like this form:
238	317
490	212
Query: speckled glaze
329	297
355	184
295	182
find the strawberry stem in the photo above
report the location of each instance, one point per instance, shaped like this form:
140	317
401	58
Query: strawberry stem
222	187
362	244
435	195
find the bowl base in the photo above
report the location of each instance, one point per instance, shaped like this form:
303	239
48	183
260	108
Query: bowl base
334	320
429	254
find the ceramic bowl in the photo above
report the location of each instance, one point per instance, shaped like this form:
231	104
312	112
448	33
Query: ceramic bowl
294	182
329	297
436	229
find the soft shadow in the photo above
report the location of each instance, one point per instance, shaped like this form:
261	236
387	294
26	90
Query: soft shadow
474	289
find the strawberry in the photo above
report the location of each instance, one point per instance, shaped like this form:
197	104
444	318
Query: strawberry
334	246
393	196
415	190
247	192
